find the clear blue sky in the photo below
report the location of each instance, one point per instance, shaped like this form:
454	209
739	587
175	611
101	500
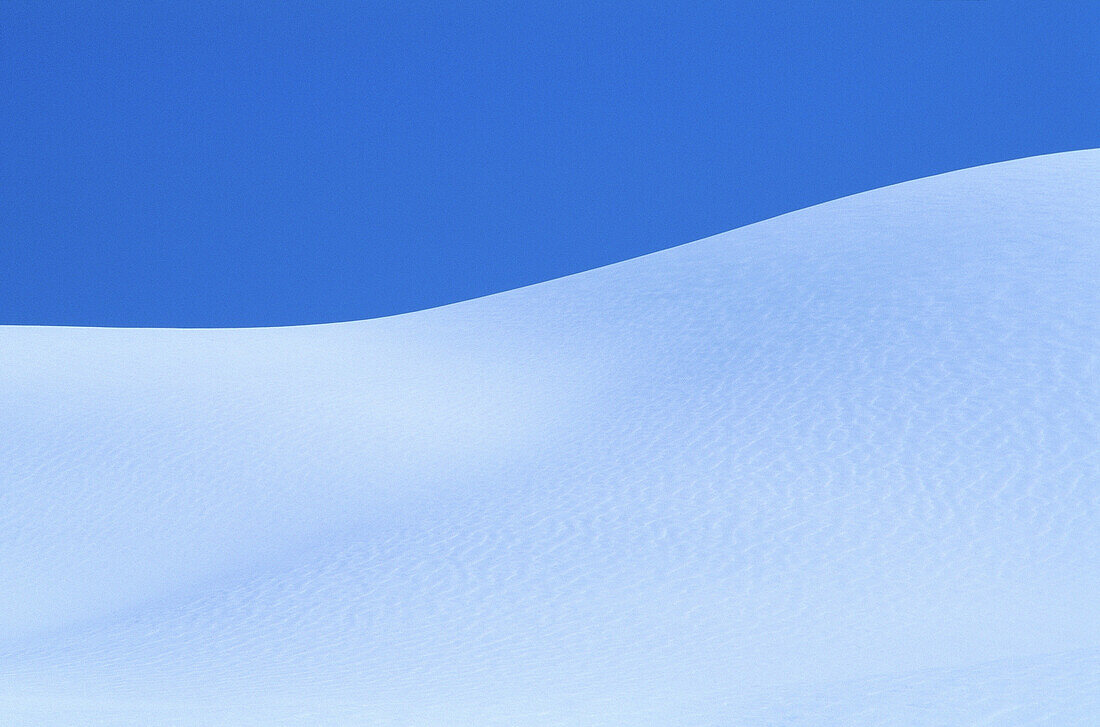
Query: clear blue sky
210	164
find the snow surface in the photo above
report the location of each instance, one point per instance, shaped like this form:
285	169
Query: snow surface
841	467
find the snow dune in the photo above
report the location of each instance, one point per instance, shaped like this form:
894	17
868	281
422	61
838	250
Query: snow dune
838	467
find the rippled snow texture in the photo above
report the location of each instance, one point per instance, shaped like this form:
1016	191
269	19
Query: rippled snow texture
839	467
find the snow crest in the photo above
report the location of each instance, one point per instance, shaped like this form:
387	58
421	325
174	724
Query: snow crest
838	467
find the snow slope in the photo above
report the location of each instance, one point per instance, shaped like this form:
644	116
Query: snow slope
839	467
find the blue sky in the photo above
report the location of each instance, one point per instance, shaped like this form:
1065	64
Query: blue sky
202	164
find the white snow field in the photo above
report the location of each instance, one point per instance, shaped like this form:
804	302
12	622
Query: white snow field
841	467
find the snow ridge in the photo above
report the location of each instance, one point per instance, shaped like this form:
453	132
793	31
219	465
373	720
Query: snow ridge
837	467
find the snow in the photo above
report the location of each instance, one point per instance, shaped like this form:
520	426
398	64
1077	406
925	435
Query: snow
838	467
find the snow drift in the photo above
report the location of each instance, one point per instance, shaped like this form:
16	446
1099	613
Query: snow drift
838	467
